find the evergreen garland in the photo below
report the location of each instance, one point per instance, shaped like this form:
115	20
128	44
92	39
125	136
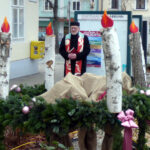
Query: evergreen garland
69	114
140	103
29	90
2	127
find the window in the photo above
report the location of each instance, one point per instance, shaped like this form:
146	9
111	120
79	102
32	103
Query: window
114	4
92	4
42	33
17	19
76	5
140	4
48	4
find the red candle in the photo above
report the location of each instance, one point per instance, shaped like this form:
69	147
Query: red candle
5	26
49	30
106	21
133	28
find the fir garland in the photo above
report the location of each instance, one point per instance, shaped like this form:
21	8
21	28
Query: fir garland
69	114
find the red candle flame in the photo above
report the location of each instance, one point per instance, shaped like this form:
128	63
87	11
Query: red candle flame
133	27
49	30
5	26
106	20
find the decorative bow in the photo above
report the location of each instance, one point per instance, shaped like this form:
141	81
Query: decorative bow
127	120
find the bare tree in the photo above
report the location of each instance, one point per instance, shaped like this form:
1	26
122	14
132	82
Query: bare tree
54	6
125	4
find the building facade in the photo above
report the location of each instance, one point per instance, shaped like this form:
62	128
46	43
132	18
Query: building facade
137	7
23	29
66	9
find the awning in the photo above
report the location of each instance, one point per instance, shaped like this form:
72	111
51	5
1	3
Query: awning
43	23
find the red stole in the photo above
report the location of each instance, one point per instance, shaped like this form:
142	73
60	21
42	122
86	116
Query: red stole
78	63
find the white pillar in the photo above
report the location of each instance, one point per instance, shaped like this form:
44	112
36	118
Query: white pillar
49	61
4	64
113	69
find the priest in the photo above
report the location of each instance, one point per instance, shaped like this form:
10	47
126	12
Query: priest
74	48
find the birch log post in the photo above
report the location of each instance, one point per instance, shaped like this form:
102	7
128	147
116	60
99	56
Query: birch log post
138	61
113	69
49	61
4	64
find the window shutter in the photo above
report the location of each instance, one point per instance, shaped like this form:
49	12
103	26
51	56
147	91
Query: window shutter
78	5
115	4
74	5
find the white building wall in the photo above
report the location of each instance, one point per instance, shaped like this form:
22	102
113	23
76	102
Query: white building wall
21	64
106	4
4	11
21	49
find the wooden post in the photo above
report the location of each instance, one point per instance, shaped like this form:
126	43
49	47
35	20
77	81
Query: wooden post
49	61
113	69
4	64
138	61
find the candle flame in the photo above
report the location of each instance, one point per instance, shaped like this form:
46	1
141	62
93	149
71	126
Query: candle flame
5	26
49	30
133	27
106	21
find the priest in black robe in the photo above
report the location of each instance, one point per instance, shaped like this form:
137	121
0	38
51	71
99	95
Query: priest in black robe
74	48
73	54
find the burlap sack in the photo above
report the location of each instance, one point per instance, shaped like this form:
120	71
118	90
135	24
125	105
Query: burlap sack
94	85
85	87
70	86
127	83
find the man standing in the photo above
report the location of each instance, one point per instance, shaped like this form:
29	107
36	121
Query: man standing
74	48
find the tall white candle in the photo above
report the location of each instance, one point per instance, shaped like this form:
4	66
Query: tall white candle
49	61
4	64
113	69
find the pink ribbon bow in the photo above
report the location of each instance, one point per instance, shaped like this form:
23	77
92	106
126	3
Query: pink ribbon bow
127	122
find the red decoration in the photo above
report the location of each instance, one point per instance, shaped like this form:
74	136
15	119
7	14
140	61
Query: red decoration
133	28
101	96
49	30
5	26
106	20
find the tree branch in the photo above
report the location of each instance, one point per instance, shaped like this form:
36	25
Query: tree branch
51	4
